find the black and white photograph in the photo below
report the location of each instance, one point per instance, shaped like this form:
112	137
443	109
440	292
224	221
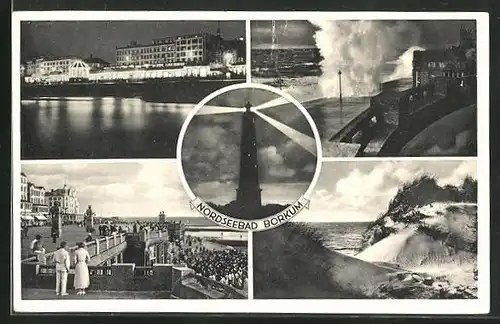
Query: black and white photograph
122	231
377	230
393	88
120	89
322	163
246	157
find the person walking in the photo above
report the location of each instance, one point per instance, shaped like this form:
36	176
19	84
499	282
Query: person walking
61	258
25	230
54	234
82	280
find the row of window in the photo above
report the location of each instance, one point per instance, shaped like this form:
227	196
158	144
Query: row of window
121	57
440	65
56	63
189	59
39	201
34	207
156	49
37	192
179	40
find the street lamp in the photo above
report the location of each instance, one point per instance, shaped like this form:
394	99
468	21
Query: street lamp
340	96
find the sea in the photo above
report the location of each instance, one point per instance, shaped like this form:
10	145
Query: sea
87	127
195	221
345	238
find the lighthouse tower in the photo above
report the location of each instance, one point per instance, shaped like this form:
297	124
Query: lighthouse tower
248	194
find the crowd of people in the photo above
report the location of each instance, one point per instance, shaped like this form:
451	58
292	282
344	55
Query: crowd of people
223	264
227	266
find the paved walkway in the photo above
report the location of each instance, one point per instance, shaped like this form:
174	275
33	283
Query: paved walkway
44	294
72	234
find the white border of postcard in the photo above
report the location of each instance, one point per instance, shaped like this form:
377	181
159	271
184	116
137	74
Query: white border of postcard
481	305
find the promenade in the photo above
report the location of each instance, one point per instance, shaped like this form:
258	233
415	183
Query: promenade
45	294
72	234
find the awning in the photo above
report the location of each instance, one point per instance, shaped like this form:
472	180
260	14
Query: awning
40	217
26	217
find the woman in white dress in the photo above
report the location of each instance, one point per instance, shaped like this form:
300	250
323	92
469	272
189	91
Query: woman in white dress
82	280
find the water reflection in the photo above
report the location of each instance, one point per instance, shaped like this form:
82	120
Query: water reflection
100	128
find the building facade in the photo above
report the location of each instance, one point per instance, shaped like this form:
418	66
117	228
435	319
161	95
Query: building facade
36	196
68	201
96	63
34	208
457	62
45	66
195	49
25	203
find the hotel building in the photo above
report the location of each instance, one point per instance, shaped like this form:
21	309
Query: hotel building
34	205
68	202
195	49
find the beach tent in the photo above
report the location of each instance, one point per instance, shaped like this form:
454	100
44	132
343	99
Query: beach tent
40	217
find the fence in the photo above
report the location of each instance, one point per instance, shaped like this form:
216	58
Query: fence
94	248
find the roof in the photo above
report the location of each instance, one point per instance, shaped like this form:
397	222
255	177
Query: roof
60	191
35	186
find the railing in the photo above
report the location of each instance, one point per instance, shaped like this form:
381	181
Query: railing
438	88
94	248
435	100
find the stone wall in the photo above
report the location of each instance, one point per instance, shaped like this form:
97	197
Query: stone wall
129	277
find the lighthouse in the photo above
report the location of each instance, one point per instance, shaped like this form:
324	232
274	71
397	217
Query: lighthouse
248	194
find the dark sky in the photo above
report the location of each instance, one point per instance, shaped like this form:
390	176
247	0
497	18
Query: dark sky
81	38
300	33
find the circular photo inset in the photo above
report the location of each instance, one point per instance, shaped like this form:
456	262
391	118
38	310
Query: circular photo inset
249	157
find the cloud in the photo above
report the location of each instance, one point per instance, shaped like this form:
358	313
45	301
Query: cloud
272	193
272	163
466	168
118	189
211	145
361	190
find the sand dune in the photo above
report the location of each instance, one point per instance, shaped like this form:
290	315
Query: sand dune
442	243
290	262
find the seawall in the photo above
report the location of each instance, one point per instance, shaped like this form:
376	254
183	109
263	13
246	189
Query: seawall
183	90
